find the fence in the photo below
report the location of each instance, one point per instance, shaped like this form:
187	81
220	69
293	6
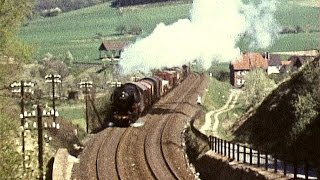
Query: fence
250	156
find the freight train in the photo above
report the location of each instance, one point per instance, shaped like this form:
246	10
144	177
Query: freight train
132	99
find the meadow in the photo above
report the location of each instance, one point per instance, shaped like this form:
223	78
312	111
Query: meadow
77	31
82	31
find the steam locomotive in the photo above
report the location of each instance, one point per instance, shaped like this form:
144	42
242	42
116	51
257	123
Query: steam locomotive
132	99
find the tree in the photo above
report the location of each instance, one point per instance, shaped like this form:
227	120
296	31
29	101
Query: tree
256	87
68	59
12	14
54	66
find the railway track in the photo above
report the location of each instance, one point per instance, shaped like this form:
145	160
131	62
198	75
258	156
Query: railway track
152	151
106	159
156	141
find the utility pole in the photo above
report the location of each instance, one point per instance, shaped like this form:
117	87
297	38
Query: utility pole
40	141
39	115
22	87
53	79
86	85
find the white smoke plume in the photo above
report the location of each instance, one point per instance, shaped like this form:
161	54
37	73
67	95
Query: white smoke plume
260	23
212	32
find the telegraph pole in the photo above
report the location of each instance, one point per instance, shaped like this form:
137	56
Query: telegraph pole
22	124
40	141
86	85
53	79
22	87
39	115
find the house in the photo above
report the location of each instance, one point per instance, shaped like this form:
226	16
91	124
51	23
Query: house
111	50
274	63
247	62
293	64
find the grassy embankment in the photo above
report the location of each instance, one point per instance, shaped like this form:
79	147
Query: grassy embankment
288	121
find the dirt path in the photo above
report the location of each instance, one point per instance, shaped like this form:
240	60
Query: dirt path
212	125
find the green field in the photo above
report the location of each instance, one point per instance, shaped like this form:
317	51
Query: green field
76	31
74	113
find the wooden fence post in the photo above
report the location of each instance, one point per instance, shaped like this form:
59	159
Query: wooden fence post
295	169
215	144
218	145
233	156
221	146
229	150
266	162
225	147
238	146
258	158
306	169
275	164
250	156
244	154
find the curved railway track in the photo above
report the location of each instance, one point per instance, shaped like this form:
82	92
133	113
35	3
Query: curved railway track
144	152
106	159
157	159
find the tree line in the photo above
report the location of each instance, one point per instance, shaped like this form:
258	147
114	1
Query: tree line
52	7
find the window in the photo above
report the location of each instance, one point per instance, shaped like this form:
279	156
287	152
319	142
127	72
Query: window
238	81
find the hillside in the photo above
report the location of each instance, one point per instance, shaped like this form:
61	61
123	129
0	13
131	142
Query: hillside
288	120
81	31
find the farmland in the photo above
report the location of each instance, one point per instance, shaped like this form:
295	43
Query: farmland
77	31
81	31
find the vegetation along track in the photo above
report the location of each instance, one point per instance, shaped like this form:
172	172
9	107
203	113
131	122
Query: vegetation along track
152	151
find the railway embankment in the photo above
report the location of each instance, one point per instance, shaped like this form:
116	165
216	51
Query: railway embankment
210	165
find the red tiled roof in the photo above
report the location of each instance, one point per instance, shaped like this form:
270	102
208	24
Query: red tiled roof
250	60
113	45
285	63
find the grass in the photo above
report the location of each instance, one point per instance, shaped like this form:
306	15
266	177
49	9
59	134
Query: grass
76	31
293	42
227	120
312	3
74	113
217	94
292	14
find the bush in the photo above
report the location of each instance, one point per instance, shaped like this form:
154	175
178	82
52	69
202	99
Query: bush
220	71
256	87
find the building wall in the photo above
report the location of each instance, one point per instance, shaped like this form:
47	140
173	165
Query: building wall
237	77
273	70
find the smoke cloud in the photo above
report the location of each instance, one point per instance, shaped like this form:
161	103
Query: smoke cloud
212	32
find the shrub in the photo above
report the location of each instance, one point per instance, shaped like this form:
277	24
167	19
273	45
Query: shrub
256	87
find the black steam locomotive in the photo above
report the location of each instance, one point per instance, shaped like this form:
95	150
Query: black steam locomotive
132	99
